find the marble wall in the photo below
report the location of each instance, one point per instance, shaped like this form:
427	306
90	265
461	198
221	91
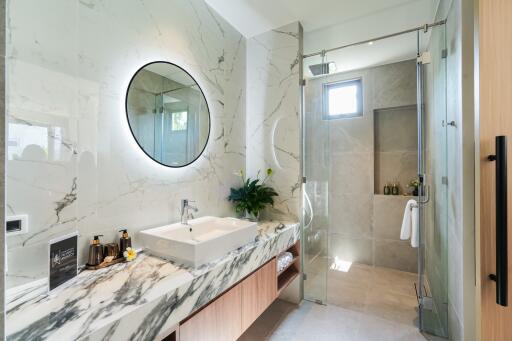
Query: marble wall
72	163
364	227
273	122
2	167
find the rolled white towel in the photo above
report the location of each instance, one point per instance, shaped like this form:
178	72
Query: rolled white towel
410	226
284	260
415	226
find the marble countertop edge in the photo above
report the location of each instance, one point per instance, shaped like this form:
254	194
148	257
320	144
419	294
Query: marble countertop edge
102	298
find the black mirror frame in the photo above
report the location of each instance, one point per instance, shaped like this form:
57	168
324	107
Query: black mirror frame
128	117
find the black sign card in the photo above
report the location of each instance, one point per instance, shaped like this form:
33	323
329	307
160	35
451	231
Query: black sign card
63	259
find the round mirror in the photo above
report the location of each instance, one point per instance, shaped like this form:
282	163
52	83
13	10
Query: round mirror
168	114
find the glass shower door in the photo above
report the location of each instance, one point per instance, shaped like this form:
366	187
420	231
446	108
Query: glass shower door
433	165
316	171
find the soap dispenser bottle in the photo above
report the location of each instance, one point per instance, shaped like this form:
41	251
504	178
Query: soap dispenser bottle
124	242
95	251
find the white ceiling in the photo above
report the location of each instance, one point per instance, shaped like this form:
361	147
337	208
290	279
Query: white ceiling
252	17
377	23
331	23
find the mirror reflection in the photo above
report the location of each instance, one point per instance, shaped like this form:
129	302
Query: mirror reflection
168	114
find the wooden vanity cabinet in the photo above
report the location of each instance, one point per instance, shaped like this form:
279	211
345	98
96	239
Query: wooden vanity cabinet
228	316
221	320
259	290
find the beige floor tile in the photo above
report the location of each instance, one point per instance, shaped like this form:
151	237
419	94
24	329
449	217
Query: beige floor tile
365	303
315	287
393	307
395	281
347	295
360	274
310	321
374	328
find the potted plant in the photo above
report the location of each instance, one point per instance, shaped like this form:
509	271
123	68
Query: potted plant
414	184
252	196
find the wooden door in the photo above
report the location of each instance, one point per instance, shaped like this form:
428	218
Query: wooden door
221	320
259	290
495	90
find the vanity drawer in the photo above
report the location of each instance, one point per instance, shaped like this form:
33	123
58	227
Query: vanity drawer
219	321
228	316
259	290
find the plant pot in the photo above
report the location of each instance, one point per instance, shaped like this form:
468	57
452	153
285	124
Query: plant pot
250	216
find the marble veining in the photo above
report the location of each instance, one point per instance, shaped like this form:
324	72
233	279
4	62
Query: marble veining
71	162
273	123
136	300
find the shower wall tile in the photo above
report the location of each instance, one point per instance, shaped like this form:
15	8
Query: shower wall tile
396	254
350	135
351	173
351	249
395	168
396	147
351	214
352	151
394	85
396	129
273	125
72	164
388	212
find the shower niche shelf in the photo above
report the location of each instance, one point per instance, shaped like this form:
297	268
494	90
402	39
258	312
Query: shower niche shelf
290	272
395	147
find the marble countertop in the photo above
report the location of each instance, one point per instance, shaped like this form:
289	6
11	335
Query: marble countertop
136	300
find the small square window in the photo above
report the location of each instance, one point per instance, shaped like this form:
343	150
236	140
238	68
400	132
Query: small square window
179	121
343	99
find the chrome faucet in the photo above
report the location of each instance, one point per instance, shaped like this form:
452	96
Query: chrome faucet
184	210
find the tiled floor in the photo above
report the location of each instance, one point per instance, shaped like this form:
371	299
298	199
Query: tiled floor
381	292
311	321
365	303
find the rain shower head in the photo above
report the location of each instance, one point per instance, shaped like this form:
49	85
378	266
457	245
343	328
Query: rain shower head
322	69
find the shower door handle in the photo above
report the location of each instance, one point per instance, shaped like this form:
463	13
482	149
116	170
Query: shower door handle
501	276
425	192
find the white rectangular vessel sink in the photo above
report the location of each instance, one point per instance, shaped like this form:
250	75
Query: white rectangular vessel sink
201	241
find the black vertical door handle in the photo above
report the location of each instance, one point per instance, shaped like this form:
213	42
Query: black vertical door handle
501	276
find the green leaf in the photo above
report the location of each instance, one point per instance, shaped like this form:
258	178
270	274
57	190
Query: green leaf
253	196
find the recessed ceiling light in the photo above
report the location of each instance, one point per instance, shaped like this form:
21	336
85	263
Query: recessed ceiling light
370	43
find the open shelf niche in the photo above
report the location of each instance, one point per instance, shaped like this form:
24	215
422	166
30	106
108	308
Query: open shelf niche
288	274
395	147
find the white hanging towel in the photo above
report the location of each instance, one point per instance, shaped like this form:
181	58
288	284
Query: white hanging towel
410	226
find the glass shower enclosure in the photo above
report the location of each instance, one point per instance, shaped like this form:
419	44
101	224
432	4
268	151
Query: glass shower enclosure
316	171
322	173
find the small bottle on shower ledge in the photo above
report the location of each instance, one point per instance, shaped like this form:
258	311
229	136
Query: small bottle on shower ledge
387	189
394	189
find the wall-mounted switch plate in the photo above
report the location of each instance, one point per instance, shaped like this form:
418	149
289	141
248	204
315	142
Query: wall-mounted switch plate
16	224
